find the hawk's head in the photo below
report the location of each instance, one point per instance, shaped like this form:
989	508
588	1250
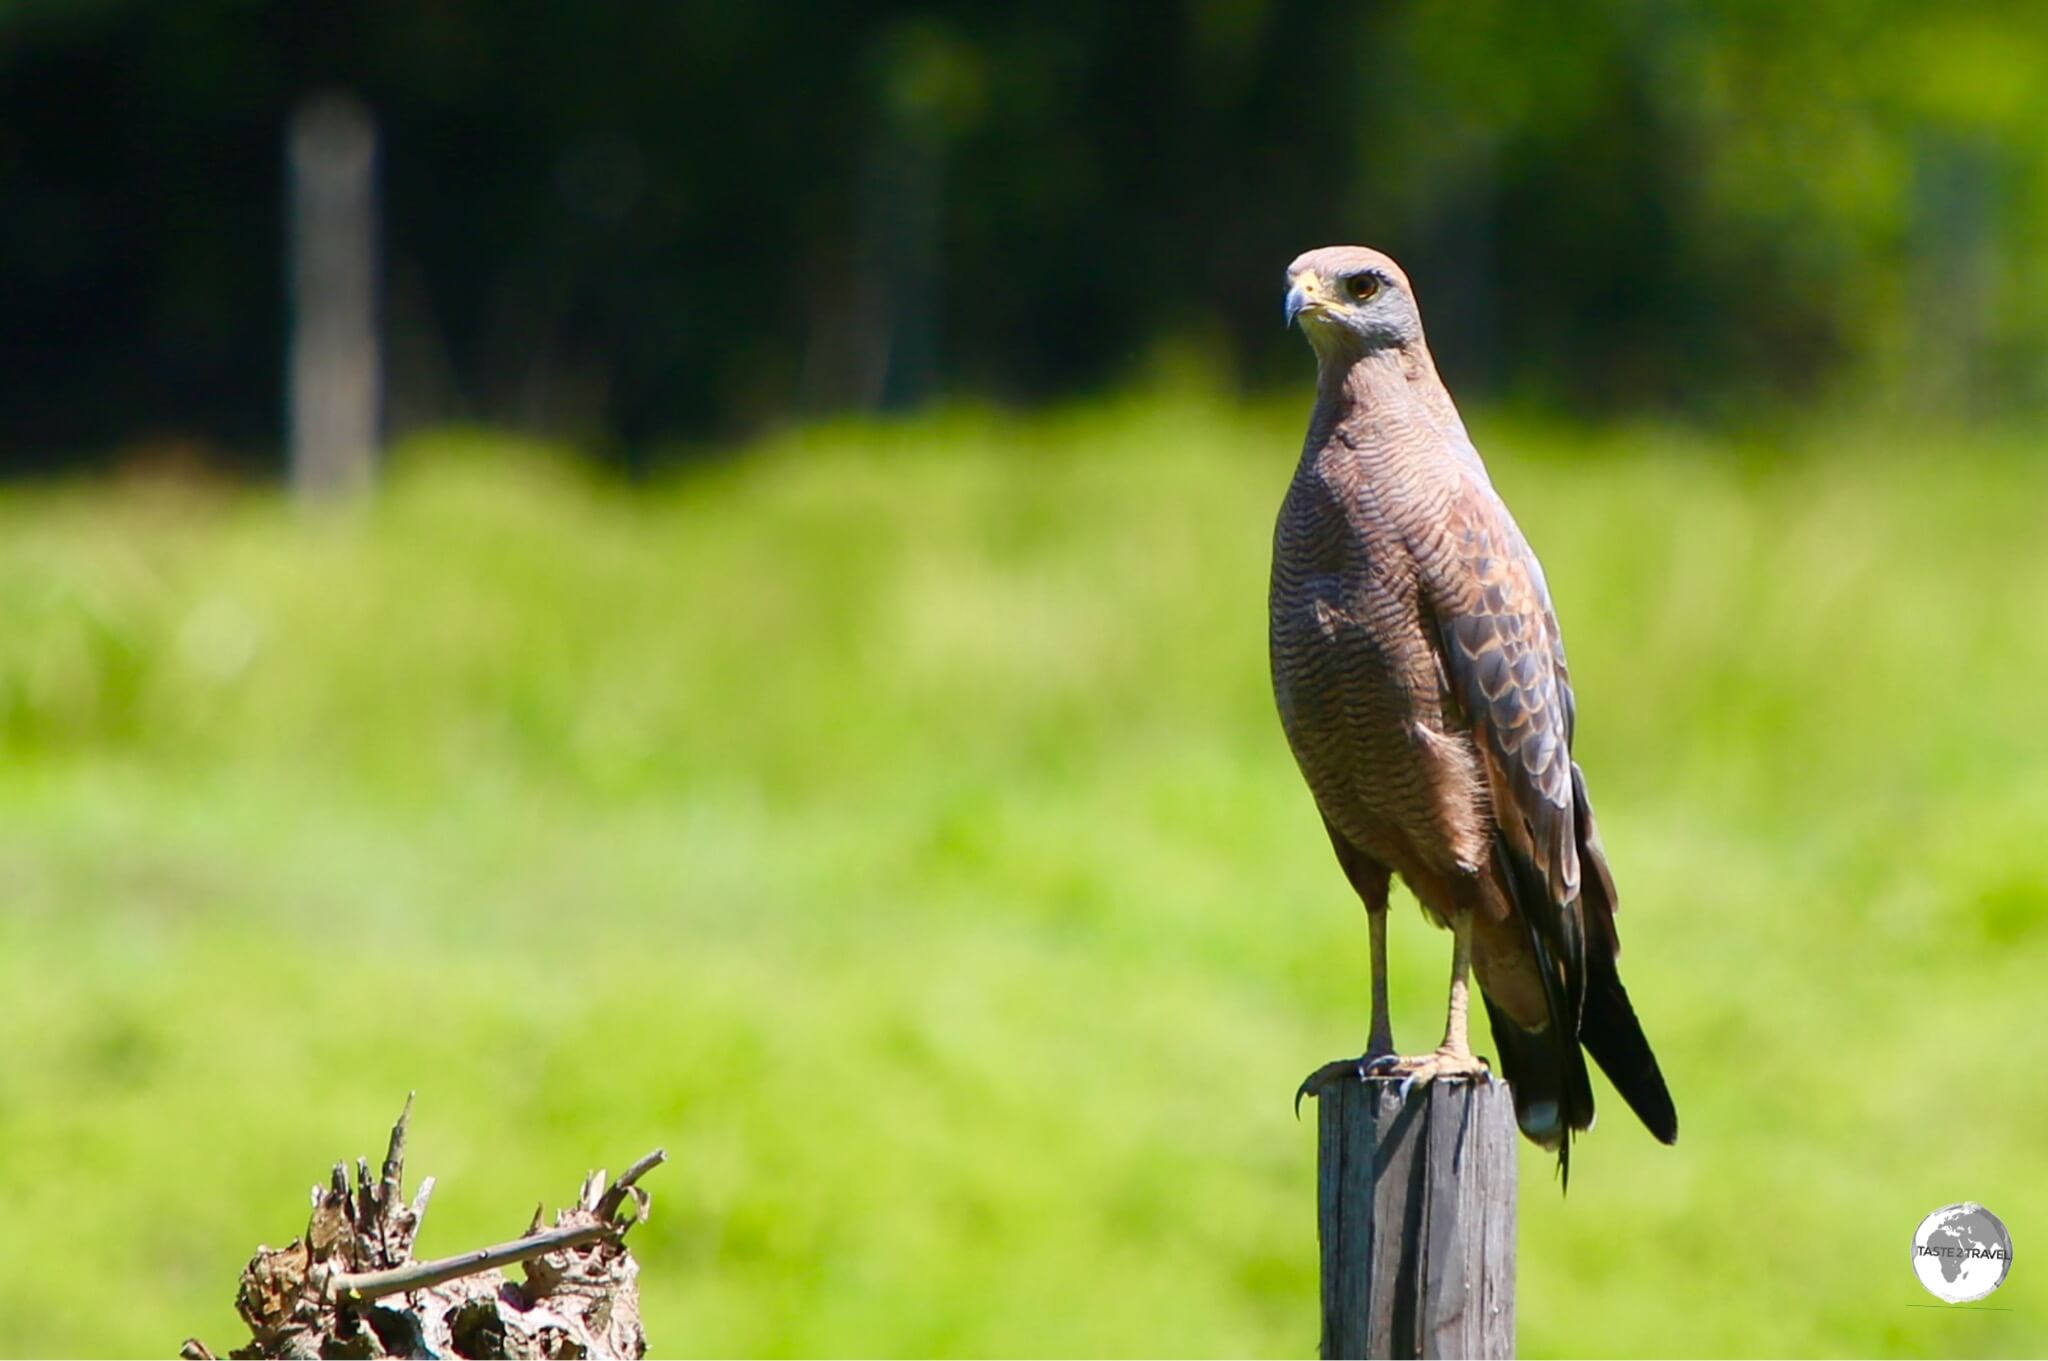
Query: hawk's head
1351	300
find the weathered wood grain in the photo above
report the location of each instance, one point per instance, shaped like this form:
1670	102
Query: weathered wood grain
1416	1216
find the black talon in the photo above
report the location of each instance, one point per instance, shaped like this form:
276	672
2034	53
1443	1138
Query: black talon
1361	1068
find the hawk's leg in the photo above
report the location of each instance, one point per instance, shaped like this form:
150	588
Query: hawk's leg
1379	1042
1454	1057
1379	1052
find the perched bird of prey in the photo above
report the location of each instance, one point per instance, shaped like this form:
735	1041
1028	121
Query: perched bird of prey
1421	679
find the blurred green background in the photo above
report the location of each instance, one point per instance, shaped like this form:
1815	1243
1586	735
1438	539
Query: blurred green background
796	692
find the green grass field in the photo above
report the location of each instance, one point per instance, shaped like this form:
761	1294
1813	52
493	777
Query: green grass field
893	823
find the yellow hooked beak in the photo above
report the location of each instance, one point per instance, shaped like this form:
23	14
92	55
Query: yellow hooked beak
1305	293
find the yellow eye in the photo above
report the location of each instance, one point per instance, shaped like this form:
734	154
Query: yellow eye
1362	287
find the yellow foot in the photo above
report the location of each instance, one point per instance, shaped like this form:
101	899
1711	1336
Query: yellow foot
1436	1066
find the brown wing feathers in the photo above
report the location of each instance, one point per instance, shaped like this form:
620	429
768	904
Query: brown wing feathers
1507	666
1503	656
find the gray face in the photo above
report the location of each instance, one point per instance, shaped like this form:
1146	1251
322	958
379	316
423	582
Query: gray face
1351	305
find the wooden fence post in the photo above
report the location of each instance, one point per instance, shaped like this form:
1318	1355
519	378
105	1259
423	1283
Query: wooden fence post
1416	1216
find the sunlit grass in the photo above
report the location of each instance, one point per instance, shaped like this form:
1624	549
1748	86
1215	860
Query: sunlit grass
894	824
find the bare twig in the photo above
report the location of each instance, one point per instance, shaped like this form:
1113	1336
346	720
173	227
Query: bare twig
608	1205
369	1285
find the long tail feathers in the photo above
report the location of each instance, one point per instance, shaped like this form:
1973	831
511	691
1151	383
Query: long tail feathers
1607	1023
1553	1095
1574	946
1615	1039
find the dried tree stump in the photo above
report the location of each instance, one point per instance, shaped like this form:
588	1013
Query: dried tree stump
352	1288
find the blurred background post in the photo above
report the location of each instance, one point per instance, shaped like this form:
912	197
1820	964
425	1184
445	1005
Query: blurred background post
336	368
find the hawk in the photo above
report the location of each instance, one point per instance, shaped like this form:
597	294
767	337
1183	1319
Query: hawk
1421	680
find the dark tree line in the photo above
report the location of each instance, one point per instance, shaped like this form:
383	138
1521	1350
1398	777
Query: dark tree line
651	224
